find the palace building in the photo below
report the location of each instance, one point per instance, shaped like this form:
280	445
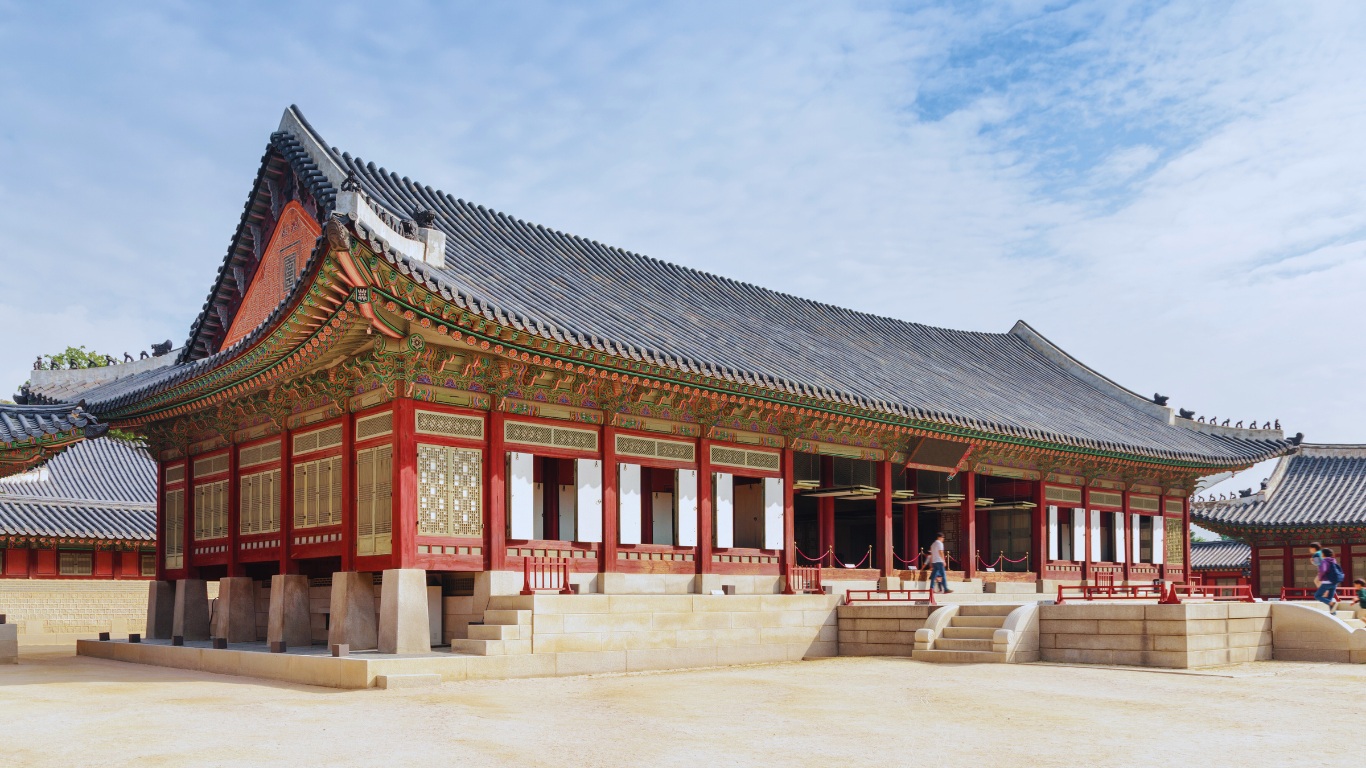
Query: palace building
387	378
1317	493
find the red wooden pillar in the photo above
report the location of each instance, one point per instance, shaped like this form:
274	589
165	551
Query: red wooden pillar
495	522
187	537
911	522
705	512
882	546
350	488
825	514
161	521
1086	538
610	499
1038	539
968	527
405	486
789	542
647	505
234	511
1256	572
287	565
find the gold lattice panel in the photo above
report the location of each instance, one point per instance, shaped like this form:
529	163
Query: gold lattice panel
449	491
1175	541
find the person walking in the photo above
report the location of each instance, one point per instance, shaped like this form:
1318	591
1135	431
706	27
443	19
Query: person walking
1330	576
1360	584
938	570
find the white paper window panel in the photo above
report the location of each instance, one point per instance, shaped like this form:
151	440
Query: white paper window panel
773	513
1052	533
588	473
522	496
1095	536
1135	539
1078	534
628	503
1159	540
569	499
662	517
724	483
1119	538
686	484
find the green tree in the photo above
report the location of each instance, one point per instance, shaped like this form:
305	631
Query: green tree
76	357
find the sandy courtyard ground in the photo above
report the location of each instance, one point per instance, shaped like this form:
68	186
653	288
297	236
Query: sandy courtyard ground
60	710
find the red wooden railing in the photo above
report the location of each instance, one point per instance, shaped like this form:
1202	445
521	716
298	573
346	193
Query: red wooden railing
804	579
1239	593
1110	591
882	595
550	574
1307	593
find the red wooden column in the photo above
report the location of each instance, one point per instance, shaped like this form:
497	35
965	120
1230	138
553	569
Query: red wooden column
187	536
705	512
825	514
495	521
882	545
1086	539
611	516
405	489
1038	538
234	511
161	522
350	489
286	499
968	527
789	543
910	528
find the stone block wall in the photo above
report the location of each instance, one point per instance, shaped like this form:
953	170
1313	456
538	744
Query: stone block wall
62	611
627	633
1174	636
1306	632
880	630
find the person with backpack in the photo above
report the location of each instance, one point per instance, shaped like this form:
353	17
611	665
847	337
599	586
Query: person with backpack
1360	584
1330	576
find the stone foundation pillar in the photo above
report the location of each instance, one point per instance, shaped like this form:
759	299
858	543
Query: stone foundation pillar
289	611
160	609
353	620
404	626
190	619
235	616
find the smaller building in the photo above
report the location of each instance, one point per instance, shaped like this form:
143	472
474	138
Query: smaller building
1221	562
1317	493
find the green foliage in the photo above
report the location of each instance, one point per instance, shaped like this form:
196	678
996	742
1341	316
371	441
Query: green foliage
76	357
1199	538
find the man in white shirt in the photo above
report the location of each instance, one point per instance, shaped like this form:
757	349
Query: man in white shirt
937	565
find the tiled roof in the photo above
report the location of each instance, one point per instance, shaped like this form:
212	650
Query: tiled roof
26	423
103	489
1223	555
565	287
1318	485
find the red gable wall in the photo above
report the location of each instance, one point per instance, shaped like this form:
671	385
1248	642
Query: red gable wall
293	237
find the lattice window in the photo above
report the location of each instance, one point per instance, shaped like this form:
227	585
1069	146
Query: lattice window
1175	541
317	493
1107	498
1144	503
449	491
550	437
174	507
211	510
258	503
374	426
213	465
148	563
673	450
175	474
259	454
451	425
1062	495
739	457
374	500
318	439
75	563
1174	506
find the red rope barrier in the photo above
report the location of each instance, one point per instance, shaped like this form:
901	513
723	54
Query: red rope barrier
859	564
808	557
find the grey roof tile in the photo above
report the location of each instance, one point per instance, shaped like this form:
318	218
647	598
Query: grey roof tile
1318	485
103	489
1220	555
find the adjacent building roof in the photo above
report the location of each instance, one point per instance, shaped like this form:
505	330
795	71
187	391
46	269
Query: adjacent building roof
1014	384
97	489
1316	486
25	424
1222	555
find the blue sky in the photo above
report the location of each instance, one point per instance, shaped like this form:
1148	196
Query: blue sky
1175	193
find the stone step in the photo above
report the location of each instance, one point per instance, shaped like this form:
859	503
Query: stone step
495	632
959	657
950	644
1012	587
989	609
994	622
968	633
512	602
490	647
506	616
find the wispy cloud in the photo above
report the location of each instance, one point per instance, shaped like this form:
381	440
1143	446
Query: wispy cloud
1174	193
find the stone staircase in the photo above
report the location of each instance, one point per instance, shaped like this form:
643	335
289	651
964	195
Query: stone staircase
968	637
506	630
1350	618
